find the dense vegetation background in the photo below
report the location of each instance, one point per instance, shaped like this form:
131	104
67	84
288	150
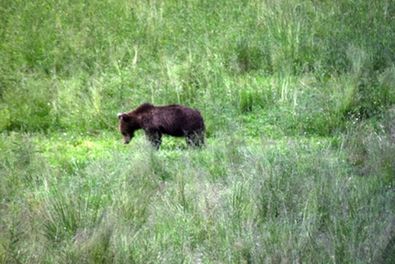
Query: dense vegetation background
298	98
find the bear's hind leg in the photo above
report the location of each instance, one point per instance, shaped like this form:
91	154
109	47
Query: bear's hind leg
195	139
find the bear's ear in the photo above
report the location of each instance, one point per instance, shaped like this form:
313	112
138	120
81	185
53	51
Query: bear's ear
123	116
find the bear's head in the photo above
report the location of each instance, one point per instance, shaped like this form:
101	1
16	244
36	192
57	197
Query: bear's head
127	125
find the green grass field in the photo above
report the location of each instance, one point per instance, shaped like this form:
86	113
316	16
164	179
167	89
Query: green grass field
299	103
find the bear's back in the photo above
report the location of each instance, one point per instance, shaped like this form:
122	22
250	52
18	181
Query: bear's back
144	108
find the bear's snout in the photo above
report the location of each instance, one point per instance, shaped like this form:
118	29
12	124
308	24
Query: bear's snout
127	139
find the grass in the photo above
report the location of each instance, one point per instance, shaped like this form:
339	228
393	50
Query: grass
298	99
263	201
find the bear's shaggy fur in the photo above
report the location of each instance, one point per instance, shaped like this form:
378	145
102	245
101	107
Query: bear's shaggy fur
174	120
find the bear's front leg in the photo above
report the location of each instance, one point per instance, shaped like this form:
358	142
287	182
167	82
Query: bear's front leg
154	137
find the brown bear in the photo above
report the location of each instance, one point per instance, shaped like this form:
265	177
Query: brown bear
174	120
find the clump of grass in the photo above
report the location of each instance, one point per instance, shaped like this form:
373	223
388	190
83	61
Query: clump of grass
371	149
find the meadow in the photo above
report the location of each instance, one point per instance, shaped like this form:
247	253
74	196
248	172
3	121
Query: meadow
298	99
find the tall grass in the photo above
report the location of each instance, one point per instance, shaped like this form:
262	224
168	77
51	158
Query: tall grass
66	64
288	201
298	99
